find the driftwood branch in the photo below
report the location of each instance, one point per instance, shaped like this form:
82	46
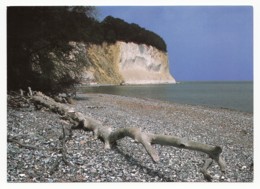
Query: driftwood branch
110	136
204	169
21	92
9	139
63	151
30	93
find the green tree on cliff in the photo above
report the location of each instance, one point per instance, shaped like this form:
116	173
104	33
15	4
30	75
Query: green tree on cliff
34	32
121	30
38	43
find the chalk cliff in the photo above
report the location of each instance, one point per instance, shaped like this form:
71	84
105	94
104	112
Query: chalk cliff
127	63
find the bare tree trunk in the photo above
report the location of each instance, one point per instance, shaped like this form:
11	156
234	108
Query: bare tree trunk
110	136
21	92
30	93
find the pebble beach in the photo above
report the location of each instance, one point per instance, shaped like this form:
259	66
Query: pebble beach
128	161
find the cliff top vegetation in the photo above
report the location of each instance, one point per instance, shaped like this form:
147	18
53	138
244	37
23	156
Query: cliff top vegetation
117	29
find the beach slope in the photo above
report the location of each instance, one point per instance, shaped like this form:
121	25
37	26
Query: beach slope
90	162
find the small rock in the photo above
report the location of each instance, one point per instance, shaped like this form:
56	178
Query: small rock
82	142
46	160
222	178
119	179
243	167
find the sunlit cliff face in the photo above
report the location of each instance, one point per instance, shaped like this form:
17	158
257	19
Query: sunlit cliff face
140	64
127	63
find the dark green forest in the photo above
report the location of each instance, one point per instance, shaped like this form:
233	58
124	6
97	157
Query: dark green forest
34	32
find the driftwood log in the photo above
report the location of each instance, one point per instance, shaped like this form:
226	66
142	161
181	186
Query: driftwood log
110	136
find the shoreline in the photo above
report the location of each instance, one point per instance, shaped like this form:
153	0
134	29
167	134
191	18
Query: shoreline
234	96
195	105
129	160
186	104
85	85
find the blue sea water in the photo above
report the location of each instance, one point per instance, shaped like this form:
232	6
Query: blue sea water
230	95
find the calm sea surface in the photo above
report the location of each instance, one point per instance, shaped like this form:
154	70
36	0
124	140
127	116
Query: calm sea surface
231	95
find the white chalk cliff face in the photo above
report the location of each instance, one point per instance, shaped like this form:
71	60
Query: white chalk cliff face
142	64
127	63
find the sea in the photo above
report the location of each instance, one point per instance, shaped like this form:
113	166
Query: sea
237	95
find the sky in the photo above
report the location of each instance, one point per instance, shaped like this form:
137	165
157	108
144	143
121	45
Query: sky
204	43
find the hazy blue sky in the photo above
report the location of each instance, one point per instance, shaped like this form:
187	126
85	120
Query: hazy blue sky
204	43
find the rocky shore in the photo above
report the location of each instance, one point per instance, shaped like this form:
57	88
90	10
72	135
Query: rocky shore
39	132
